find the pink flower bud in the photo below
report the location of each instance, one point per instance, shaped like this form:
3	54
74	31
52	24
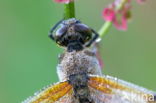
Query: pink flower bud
62	1
118	14
141	1
108	14
121	24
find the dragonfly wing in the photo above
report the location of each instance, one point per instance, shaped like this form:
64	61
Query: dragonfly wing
68	98
108	89
52	94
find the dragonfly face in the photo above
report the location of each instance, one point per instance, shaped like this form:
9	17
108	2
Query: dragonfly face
73	34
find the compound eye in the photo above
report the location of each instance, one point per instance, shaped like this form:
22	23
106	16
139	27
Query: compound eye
78	21
61	31
82	28
84	31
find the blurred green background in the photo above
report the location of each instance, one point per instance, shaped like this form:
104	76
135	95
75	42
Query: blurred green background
28	58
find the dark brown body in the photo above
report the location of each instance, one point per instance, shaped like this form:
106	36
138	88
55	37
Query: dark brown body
80	75
80	87
81	82
75	67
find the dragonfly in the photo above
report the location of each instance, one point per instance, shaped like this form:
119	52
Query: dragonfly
80	76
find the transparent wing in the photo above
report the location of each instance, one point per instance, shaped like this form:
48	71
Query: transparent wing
58	93
108	89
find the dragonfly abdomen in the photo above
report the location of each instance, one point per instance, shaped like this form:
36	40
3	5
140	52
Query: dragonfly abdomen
80	87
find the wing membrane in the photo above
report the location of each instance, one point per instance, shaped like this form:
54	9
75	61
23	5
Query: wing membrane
52	94
112	90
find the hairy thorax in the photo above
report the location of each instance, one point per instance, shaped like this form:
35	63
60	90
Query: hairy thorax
77	62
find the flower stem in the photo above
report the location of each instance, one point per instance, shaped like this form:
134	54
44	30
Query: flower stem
105	28
69	10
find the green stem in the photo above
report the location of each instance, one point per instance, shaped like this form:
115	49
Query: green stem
69	10
105	28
